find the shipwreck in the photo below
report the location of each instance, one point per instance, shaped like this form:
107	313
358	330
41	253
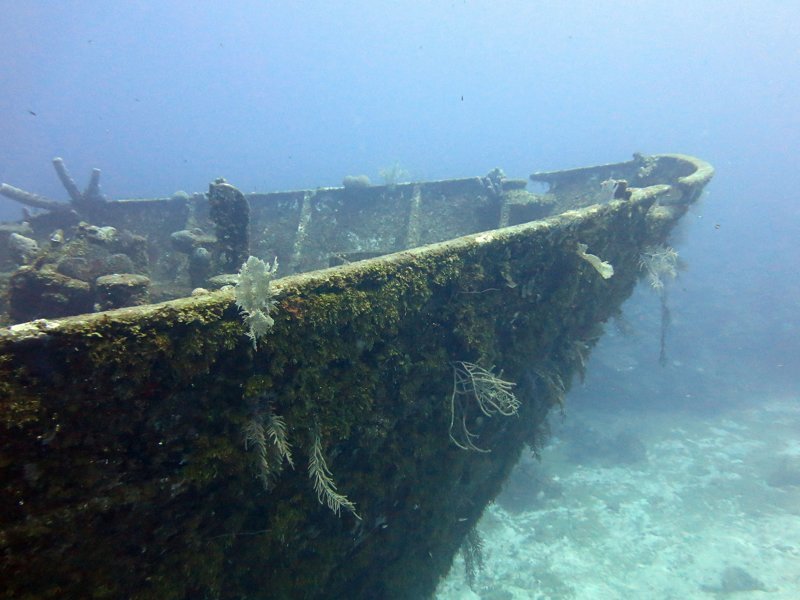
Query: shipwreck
156	444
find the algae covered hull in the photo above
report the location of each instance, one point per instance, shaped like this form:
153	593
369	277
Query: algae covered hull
152	452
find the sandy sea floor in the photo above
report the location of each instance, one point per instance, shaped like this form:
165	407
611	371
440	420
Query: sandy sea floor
657	504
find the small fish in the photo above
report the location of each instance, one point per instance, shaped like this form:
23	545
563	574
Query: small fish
30	112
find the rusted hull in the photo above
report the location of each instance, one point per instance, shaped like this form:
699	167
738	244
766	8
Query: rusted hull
124	465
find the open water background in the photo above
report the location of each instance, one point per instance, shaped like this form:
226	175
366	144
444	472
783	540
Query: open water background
287	95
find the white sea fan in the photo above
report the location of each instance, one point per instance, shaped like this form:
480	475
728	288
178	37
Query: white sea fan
254	296
661	265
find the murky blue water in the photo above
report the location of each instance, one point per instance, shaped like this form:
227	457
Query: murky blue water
287	95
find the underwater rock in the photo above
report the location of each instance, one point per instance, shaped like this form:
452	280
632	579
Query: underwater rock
220	281
64	279
121	289
101	235
119	263
23	228
23	248
195	243
186	240
76	267
34	293
96	251
8	258
105	241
